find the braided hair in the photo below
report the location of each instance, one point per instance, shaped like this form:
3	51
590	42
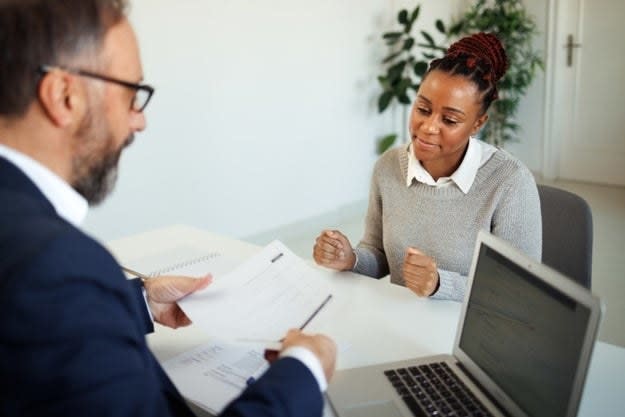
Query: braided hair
480	58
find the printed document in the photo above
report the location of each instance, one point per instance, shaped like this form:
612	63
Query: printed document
261	299
215	373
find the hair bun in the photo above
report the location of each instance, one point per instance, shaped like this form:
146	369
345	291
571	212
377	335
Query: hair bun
483	46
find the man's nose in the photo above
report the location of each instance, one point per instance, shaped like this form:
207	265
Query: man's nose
137	121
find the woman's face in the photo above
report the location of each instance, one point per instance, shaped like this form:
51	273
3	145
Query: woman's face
445	113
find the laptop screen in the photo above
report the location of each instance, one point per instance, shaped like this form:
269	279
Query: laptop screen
524	334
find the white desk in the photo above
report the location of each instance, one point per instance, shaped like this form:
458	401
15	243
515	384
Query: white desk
379	322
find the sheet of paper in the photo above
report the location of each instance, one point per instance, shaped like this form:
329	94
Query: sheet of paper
213	374
261	299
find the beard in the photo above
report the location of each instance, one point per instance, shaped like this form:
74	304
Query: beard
94	167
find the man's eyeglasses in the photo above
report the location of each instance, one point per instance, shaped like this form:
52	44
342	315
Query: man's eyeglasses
143	92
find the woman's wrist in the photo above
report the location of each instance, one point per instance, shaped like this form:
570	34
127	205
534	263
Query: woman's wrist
352	260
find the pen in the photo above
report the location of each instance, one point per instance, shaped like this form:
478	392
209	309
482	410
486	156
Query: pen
314	313
272	354
131	272
275	258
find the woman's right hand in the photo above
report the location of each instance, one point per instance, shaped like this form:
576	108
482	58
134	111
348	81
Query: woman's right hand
333	250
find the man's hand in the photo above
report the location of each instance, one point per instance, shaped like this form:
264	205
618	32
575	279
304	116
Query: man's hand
333	250
320	345
420	272
164	292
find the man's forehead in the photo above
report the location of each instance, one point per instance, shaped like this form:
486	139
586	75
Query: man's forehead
121	50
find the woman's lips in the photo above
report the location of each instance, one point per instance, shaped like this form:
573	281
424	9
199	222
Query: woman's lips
423	144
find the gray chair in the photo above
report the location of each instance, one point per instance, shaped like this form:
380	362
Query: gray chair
567	233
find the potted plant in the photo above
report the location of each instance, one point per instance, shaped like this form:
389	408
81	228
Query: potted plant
405	65
515	28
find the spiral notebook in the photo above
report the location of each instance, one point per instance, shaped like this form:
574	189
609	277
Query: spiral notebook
184	260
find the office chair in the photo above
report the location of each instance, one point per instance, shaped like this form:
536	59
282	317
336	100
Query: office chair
567	233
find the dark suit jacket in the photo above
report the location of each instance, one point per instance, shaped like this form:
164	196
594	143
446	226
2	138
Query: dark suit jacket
72	328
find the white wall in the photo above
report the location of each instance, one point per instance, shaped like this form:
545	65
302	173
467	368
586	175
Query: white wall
264	113
532	107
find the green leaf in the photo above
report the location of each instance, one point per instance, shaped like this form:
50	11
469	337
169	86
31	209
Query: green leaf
428	56
386	142
420	68
432	47
384	100
415	14
440	26
392	35
391	57
396	71
427	37
408	43
456	28
402	86
402	17
384	83
404	99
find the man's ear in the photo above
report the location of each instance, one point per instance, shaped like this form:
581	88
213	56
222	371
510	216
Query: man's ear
479	123
62	98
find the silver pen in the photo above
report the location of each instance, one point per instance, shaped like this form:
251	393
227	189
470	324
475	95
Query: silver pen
135	273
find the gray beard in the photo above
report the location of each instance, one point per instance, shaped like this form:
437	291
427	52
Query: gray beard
95	167
99	180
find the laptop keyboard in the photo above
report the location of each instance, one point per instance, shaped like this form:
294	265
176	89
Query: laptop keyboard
434	390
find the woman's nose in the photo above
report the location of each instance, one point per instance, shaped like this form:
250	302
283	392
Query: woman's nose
430	125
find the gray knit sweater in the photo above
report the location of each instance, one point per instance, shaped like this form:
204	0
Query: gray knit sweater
443	222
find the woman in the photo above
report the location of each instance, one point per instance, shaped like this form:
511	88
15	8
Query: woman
429	200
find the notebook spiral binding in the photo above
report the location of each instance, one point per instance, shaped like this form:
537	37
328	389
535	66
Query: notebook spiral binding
184	264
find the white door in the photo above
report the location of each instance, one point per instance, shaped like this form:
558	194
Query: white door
588	107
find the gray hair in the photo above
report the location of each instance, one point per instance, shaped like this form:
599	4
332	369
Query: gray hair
47	32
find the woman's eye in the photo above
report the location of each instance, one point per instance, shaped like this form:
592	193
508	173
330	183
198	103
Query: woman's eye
449	121
423	110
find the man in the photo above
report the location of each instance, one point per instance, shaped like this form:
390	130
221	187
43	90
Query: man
71	326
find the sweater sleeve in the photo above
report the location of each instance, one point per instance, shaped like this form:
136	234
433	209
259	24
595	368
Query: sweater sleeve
517	218
452	286
370	251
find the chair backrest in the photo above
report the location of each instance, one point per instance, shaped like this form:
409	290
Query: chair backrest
567	233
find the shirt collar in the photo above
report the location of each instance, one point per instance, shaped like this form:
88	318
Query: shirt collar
68	204
477	154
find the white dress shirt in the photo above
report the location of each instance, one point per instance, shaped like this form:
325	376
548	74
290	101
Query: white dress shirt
73	207
68	204
478	153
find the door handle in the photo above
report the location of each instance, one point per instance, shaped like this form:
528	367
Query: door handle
569	49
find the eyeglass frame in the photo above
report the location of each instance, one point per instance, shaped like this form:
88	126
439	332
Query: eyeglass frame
148	89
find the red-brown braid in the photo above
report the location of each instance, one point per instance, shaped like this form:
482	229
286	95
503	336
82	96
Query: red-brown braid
479	57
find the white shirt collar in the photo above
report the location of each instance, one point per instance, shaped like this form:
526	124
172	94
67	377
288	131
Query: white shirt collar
66	201
478	153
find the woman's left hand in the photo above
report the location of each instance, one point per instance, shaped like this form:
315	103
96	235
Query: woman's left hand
420	272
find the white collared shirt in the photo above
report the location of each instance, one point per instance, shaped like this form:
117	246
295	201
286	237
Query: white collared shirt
478	153
68	204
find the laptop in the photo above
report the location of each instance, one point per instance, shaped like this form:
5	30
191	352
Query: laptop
523	345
